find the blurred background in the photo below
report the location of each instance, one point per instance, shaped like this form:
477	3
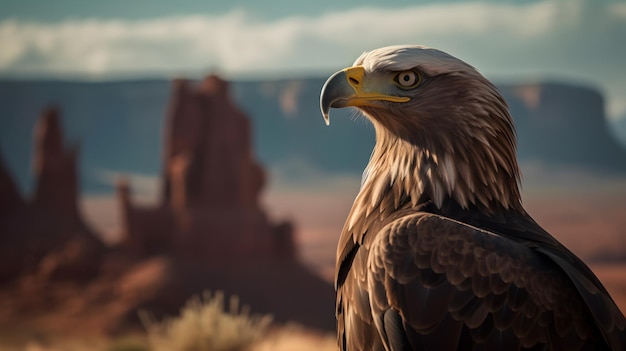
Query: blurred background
151	150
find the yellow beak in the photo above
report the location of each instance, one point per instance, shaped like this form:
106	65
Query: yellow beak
348	88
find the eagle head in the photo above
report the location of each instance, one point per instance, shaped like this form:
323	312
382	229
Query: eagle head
443	131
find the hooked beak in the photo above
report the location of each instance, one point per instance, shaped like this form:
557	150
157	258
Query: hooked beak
347	88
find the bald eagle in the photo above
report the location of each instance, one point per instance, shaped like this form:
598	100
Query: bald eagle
437	252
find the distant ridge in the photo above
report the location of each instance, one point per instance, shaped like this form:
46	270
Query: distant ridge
563	124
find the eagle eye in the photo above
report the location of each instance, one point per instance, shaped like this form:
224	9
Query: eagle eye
407	79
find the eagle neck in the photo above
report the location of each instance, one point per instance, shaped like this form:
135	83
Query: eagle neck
403	174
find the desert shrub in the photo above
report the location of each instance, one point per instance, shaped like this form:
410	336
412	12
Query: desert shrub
204	324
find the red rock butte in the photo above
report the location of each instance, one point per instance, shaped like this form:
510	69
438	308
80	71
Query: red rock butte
207	231
211	184
55	167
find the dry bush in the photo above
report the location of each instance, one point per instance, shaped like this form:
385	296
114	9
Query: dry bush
205	325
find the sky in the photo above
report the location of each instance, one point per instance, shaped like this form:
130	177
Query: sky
576	41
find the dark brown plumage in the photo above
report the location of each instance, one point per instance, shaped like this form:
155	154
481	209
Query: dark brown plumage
437	252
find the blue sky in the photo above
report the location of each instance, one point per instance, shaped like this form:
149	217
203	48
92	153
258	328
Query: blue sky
580	41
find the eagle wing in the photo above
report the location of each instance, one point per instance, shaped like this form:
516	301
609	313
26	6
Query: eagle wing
438	284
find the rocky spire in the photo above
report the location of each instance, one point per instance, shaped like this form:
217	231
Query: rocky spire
208	155
212	184
54	167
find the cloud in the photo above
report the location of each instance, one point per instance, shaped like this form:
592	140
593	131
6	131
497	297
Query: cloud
578	40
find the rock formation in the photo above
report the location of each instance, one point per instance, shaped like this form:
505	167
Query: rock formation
209	222
208	231
54	167
211	184
45	237
565	125
208	155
